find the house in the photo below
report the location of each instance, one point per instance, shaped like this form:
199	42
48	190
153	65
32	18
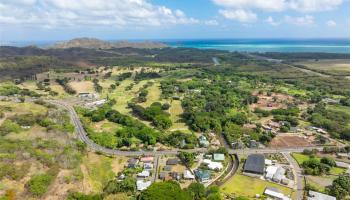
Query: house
255	164
342	164
203	175
132	163
237	145
254	144
188	175
219	157
172	161
319	196
144	174
147	159
142	185
167	168
88	96
213	165
275	193
270	172
148	166
96	103
279	175
203	142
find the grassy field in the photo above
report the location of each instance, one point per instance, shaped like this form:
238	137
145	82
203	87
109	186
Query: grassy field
27	107
248	186
121	96
335	66
153	95
175	113
99	170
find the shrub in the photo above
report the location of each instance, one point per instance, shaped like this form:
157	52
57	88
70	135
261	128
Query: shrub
9	126
39	184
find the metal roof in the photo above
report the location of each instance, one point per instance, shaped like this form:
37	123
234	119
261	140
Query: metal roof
255	163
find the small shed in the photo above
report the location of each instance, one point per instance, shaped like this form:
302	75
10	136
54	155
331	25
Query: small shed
219	156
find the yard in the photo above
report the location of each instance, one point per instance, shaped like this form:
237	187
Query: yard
242	185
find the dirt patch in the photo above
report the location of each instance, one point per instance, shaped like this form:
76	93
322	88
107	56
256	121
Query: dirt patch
289	141
274	101
118	164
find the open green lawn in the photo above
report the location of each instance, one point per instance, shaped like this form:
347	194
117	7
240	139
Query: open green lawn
175	112
292	91
153	95
300	158
247	186
121	96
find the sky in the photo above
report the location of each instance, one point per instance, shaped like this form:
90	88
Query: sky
52	20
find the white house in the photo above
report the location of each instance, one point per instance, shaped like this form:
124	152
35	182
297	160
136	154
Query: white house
144	174
142	185
188	175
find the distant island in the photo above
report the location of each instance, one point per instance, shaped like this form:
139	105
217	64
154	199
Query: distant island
93	43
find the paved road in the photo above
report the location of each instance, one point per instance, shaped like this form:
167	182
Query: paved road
82	135
298	176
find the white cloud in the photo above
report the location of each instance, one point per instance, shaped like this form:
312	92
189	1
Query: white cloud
306	20
272	22
212	22
273	5
239	15
331	23
281	5
57	13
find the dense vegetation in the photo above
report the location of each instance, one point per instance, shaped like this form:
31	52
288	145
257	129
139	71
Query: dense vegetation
154	113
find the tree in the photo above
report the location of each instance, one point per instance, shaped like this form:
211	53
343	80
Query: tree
168	190
328	161
187	158
197	190
115	186
340	187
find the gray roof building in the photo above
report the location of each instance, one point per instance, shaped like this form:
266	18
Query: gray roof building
319	196
172	161
255	164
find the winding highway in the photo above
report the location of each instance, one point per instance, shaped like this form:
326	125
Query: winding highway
82	135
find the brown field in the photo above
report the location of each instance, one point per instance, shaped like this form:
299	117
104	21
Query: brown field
289	141
267	102
82	86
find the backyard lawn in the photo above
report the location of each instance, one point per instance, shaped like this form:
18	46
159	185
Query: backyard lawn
248	186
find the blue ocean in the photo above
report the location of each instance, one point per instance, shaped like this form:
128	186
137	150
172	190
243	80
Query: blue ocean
268	45
247	45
